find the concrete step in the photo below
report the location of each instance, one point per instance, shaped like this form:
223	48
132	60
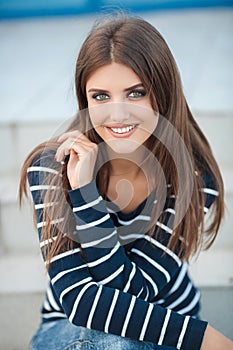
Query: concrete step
22	273
18	139
20	317
17	231
218	128
213	267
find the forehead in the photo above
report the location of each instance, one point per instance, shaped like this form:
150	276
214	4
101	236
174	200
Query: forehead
113	74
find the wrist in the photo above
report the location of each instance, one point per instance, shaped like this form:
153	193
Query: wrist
84	194
79	184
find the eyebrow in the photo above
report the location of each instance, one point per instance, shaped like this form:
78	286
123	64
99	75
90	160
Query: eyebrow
125	90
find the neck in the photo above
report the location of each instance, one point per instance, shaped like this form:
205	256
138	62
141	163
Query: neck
125	164
121	166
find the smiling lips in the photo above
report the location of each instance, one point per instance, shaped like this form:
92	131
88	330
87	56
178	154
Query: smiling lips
124	131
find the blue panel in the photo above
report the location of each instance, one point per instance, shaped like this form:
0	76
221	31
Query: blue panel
36	8
167	4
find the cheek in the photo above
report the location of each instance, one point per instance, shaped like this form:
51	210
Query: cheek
98	114
149	119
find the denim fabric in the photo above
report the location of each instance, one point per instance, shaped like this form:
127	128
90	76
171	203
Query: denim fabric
62	335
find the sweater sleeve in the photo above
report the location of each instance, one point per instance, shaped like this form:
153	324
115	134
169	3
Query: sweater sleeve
95	303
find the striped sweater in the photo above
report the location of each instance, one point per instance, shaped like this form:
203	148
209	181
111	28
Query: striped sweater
129	284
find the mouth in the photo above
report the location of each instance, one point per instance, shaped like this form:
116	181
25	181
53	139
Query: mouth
124	131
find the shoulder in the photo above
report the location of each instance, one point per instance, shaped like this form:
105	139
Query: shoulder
209	183
209	188
45	157
43	166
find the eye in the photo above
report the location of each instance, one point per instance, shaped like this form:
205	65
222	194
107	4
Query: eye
137	93
100	96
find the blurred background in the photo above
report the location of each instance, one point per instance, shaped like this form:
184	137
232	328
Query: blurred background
39	43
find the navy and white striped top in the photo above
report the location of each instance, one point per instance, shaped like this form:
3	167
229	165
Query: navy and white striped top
129	284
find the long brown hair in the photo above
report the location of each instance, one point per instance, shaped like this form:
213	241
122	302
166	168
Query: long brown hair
137	44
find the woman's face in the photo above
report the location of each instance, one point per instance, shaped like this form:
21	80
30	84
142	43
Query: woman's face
119	107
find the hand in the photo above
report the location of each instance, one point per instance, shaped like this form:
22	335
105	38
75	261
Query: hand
214	340
82	159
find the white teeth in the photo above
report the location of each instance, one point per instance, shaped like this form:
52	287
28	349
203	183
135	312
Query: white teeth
123	130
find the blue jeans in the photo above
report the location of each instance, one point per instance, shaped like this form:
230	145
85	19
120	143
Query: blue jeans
62	335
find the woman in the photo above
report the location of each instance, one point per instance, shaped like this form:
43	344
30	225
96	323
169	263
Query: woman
120	201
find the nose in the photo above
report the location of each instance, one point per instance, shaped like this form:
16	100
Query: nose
119	112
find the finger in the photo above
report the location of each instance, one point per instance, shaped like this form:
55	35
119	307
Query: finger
74	157
67	135
72	162
84	142
63	150
80	148
74	134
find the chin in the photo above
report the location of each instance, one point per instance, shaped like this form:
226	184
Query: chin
123	146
